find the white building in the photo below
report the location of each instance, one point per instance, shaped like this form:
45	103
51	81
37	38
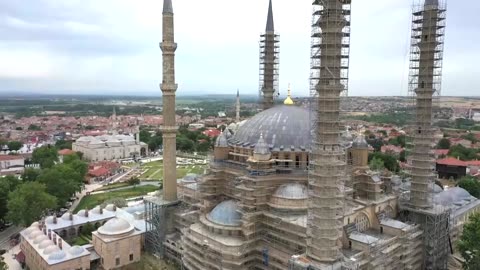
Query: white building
109	147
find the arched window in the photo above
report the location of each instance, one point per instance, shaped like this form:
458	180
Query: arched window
362	223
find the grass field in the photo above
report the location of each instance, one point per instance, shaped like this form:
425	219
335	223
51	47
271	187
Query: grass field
113	186
154	170
91	201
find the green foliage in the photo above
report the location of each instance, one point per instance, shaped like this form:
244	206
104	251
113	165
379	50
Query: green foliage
155	142
34	127
383	132
88	228
402	156
376	164
62	144
28	203
76	164
389	161
444	143
469	244
14	145
30	174
399	118
470	184
61	181
134	181
145	136
46	156
7	185
89	127
471	137
3	264
460	151
184	144
18	128
398	141
375	143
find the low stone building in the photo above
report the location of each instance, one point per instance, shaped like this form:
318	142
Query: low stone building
110	147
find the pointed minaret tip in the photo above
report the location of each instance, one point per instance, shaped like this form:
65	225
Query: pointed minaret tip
238	93
270	27
167	6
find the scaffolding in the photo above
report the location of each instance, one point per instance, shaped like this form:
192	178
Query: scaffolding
426	55
327	169
269	65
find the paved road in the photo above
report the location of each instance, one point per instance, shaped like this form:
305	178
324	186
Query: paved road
5	236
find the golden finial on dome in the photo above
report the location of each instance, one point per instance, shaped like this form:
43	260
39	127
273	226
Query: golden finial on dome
288	100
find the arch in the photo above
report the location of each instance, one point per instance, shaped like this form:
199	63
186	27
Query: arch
97	225
72	232
143	151
362	223
63	233
80	230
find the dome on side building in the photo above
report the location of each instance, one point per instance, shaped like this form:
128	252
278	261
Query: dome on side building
115	226
226	213
57	255
76	250
50	249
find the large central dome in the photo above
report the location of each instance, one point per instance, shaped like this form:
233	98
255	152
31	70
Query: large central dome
283	125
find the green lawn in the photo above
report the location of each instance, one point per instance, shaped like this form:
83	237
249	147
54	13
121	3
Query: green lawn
91	201
80	240
113	186
154	170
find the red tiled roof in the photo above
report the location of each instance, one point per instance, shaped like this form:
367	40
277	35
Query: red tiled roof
440	152
450	161
10	157
473	163
66	152
212	132
392	148
99	172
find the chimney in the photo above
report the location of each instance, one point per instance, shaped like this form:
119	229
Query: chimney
60	243
49	234
54	220
86	212
54	236
44	230
114	208
70	216
101	210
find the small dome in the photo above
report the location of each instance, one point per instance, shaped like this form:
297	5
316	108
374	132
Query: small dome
82	213
110	207
45	243
291	191
115	226
261	147
49	220
34	234
29	230
57	255
96	210
50	249
226	213
39	238
66	216
35	224
76	250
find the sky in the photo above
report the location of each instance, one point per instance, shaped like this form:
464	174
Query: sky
111	46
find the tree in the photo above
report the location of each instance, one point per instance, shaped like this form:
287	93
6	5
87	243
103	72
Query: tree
469	244
471	137
402	156
46	156
14	145
375	143
444	143
185	144
471	185
145	136
376	164
62	144
399	141
204	146
28	203
76	164
30	174
3	264
389	161
61	181
460	151
7	185
133	181
155	142
34	127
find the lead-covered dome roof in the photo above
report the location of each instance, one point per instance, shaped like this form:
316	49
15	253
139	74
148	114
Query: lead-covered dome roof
226	213
115	226
281	125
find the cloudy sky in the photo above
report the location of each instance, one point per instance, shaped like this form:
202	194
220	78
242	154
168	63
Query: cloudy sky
111	46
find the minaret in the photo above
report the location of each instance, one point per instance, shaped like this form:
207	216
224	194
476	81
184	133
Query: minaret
428	26
237	107
327	170
168	87
269	62
288	100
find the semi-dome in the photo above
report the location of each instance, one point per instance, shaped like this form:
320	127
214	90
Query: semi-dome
82	213
110	207
34	234
76	250
50	249
57	255
66	216
291	191
115	226
29	230
49	220
292	196
283	125
226	213
97	210
35	224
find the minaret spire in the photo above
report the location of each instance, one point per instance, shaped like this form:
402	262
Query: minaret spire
169	87
269	50
237	118
270	25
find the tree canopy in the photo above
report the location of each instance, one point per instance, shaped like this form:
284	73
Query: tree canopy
389	161
62	144
46	156
469	244
399	141
463	153
376	164
470	184
14	145
444	143
28	203
7	185
61	181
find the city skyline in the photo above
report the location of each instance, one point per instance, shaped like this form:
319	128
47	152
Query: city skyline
86	47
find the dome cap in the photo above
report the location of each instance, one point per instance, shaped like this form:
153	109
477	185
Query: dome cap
226	213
